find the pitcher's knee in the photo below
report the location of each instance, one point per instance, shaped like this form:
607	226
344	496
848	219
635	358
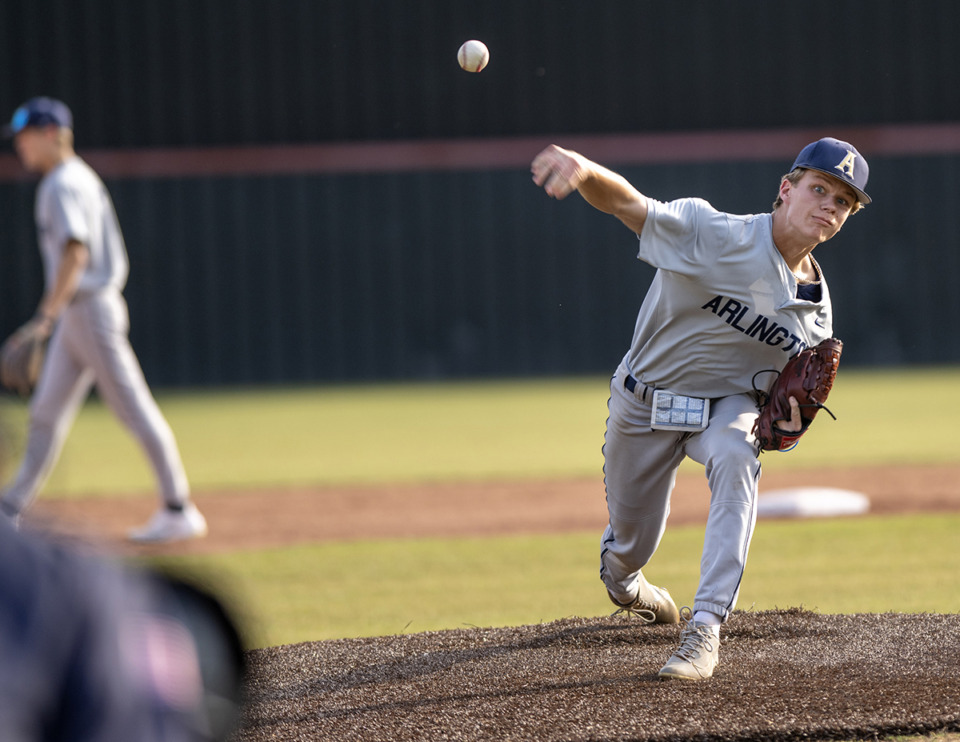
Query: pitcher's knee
732	446
736	469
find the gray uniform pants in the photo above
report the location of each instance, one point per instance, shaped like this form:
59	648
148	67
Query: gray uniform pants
640	470
90	345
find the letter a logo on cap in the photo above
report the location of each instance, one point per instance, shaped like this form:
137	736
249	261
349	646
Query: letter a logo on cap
846	164
822	154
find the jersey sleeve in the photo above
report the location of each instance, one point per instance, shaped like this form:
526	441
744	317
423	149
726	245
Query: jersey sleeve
68	219
683	236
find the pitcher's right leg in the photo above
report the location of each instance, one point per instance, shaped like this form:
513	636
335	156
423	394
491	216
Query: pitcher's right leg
640	467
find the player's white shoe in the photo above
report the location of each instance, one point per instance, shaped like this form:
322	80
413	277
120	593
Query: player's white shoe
171	525
652	605
698	655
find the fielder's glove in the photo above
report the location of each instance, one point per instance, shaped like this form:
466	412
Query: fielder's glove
808	376
22	354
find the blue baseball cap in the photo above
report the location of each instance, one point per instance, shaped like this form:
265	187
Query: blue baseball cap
39	112
839	159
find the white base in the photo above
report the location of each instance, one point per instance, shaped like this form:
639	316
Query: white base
811	502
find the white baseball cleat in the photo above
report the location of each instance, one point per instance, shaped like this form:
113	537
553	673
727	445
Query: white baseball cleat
698	655
652	605
171	525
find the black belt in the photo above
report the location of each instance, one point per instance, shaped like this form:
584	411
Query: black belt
630	384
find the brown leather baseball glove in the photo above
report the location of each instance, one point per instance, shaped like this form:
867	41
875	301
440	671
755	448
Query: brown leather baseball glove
808	376
22	355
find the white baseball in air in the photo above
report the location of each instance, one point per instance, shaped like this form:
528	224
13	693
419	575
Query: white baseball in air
473	55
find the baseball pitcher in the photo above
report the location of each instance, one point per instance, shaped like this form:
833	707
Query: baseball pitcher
734	299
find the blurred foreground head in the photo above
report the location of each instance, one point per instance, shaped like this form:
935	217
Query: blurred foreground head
92	650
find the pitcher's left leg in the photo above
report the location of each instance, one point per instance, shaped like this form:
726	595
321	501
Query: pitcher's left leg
728	452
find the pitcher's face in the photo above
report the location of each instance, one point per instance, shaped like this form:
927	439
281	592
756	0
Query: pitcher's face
817	205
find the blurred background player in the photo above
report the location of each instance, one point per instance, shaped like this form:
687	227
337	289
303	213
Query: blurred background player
85	316
732	296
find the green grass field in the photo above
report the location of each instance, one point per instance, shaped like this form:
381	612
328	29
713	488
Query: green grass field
244	439
367	588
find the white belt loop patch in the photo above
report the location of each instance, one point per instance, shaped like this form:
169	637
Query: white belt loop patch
676	412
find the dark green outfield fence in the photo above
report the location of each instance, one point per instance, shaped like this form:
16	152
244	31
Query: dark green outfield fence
439	270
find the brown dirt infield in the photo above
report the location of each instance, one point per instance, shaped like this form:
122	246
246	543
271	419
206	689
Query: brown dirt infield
263	519
784	675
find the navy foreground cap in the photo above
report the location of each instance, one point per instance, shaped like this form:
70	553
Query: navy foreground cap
39	112
839	159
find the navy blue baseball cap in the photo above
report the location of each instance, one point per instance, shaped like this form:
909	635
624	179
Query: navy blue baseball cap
839	159
39	112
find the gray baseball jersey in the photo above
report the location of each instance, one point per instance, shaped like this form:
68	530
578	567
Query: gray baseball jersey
73	203
722	305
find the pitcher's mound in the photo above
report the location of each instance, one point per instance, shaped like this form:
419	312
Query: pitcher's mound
783	675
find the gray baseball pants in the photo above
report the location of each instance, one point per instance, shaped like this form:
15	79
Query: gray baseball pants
90	345
640	471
